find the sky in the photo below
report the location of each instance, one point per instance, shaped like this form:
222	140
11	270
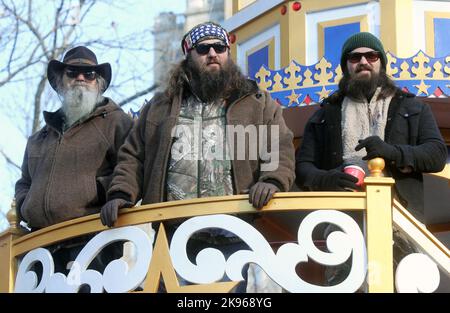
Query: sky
139	15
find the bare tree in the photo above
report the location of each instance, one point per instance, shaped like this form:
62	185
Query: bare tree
33	32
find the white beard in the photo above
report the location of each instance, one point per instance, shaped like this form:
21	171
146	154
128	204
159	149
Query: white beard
79	102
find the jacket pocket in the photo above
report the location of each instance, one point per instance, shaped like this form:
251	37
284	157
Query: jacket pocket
23	208
35	156
406	131
91	191
32	208
33	164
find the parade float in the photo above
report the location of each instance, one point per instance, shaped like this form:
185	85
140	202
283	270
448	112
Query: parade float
291	48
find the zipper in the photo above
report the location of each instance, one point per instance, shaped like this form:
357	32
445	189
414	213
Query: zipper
394	106
233	165
50	182
60	133
200	153
164	179
167	152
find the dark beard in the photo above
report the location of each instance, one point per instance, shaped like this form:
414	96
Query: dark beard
360	89
363	88
209	86
228	83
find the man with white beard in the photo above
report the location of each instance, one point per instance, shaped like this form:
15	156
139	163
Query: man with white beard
68	164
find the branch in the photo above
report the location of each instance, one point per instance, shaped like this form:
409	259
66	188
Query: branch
11	76
37	104
9	160
29	24
90	5
56	26
13	47
137	95
30	4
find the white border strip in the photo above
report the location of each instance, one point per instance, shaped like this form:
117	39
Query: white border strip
418	234
371	9
419	9
249	13
242	48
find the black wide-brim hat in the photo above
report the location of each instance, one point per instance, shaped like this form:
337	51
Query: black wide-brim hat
80	57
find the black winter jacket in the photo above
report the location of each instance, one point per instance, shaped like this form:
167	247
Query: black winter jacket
410	126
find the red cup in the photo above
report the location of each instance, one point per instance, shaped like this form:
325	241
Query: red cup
356	171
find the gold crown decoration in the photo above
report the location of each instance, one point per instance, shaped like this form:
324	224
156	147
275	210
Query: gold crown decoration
298	85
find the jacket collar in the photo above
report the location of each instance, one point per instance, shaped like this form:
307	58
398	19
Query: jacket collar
240	93
404	110
56	119
336	98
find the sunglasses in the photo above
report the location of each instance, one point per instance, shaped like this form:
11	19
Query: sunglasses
88	75
371	56
204	49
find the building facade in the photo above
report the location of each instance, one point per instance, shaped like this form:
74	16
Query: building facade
169	28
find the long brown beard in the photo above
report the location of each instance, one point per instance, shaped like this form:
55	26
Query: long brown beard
363	88
209	86
229	81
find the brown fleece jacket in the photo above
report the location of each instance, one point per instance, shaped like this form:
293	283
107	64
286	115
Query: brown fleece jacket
142	160
66	174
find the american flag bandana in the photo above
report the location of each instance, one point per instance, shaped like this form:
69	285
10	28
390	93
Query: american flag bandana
202	32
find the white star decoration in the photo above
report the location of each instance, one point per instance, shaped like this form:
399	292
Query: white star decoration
207	30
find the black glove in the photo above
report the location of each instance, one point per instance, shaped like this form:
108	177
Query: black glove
109	211
101	194
375	147
335	180
261	193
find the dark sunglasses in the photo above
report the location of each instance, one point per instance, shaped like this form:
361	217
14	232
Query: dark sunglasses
370	56
204	49
88	75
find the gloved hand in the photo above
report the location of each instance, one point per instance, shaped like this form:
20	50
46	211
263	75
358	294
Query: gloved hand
376	147
261	193
334	180
109	211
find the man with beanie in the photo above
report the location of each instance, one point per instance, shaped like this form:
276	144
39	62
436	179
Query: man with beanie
68	164
206	91
370	117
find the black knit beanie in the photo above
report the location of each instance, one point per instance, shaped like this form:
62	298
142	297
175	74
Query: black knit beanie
359	40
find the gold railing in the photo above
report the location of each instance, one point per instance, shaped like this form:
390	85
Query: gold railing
376	202
445	173
421	237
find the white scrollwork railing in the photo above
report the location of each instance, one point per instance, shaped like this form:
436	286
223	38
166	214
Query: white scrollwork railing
417	273
343	246
117	276
281	267
211	264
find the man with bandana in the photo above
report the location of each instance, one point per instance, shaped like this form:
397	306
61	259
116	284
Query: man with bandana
68	164
206	92
370	117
